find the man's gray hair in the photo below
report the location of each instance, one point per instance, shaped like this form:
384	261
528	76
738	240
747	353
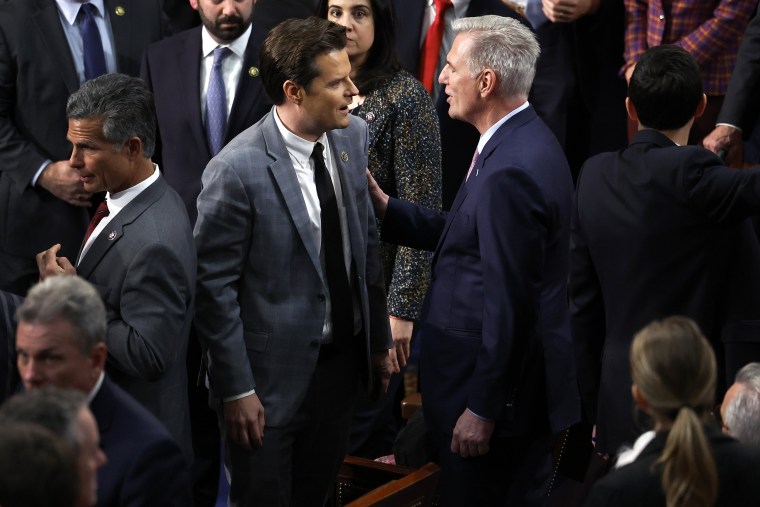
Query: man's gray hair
50	407
72	299
504	45
123	103
743	412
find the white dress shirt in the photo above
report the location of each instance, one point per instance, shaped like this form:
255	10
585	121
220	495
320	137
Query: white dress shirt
232	66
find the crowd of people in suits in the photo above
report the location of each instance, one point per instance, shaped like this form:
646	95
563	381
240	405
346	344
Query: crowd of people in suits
216	247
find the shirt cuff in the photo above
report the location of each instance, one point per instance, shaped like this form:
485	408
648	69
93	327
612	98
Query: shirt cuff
730	125
39	172
239	396
478	416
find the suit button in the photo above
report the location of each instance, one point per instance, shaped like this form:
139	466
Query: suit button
314	344
321	297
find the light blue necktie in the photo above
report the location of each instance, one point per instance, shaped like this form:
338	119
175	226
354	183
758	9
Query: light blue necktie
216	103
92	45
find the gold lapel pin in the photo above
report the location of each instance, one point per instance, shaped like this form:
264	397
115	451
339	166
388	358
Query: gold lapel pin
120	10
344	156
253	71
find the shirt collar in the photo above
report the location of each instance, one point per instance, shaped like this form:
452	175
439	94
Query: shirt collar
70	8
491	131
116	202
297	146
208	44
94	392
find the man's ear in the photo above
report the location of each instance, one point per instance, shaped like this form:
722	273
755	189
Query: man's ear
293	92
98	356
487	82
701	106
194	4
632	114
134	148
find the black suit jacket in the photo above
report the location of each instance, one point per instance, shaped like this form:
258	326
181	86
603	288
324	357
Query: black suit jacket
37	75
171	68
741	107
458	139
9	379
659	230
145	466
636	485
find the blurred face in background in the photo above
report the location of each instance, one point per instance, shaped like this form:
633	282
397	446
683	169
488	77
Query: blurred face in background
357	17
225	20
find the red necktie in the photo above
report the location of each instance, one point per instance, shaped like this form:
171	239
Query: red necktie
99	215
432	48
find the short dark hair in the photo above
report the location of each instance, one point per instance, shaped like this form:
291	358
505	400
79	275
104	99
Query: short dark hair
666	87
123	103
382	61
291	49
37	469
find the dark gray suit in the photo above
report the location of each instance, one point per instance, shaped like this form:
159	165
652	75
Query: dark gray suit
143	265
261	291
37	75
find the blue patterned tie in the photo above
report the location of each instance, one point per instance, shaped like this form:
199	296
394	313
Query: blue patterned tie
92	45
216	103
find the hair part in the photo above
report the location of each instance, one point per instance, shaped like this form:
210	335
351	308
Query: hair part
123	103
382	60
503	45
290	52
666	87
674	369
72	299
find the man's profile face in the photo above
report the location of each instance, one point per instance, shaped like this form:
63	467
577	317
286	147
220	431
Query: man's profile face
326	100
101	165
225	20
48	354
90	457
461	87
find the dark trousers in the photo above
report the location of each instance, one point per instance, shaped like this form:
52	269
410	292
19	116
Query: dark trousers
516	472
298	463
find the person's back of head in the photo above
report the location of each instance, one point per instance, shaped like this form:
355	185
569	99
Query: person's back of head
37	468
666	88
674	374
741	417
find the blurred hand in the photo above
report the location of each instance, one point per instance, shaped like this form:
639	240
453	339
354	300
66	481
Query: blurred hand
61	180
472	435
49	264
567	11
401	332
727	138
381	373
245	421
379	198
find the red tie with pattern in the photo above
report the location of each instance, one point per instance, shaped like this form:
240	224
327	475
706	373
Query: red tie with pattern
99	215
432	47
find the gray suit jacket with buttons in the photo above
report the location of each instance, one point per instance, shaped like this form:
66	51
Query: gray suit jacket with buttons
261	291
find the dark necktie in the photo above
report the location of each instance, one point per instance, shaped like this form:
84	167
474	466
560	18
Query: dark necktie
332	246
216	103
92	45
99	215
431	50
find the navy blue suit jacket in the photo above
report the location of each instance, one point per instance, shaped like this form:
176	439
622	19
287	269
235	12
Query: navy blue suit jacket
171	68
495	325
145	466
659	230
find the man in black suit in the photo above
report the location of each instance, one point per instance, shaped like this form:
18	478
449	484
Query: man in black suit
41	63
64	318
741	107
659	229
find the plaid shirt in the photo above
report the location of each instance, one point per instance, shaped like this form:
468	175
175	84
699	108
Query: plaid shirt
711	30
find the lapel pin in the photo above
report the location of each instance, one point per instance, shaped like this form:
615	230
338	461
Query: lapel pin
344	156
253	71
112	236
120	10
370	117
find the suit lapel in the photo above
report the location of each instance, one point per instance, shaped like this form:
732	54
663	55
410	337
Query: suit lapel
249	89
287	181
48	23
114	230
189	65
122	27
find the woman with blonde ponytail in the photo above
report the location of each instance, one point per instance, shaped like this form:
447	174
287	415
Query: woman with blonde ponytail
686	461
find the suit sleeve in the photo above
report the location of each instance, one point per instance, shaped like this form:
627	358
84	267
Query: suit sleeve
158	476
412	225
587	314
741	106
635	31
512	221
146	332
222	239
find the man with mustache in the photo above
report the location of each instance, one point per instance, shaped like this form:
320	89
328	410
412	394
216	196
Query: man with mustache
181	71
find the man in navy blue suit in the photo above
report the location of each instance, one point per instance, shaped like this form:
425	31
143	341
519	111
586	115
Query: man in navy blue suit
497	370
59	342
